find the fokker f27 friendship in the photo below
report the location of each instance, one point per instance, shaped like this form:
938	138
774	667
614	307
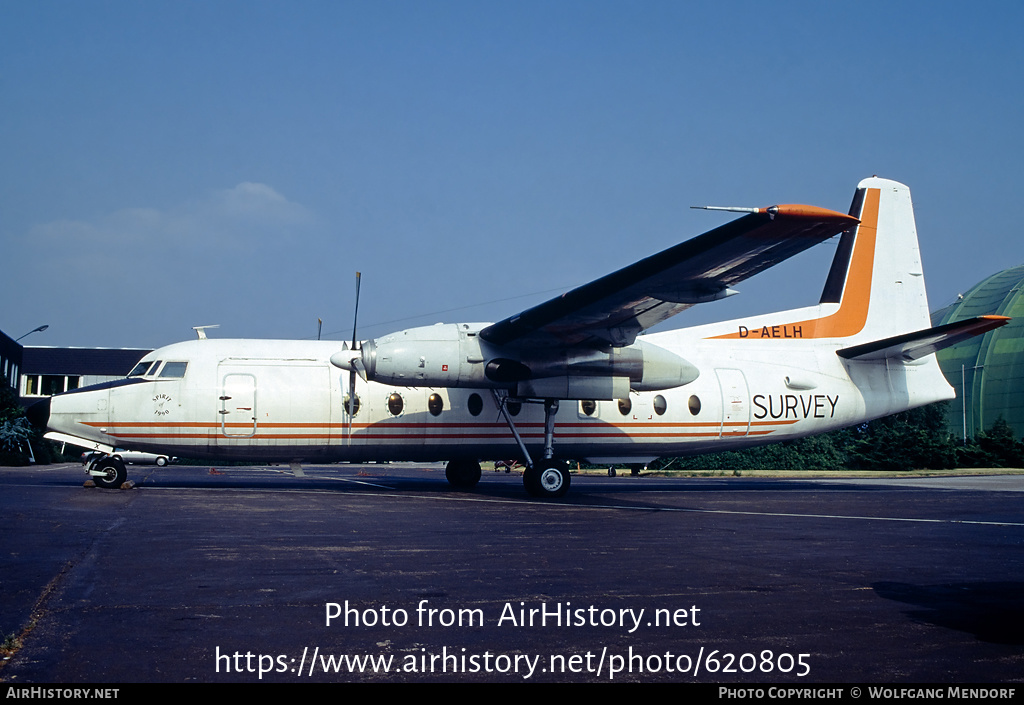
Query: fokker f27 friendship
571	378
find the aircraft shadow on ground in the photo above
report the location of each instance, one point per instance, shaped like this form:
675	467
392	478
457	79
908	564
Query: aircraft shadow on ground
992	612
633	493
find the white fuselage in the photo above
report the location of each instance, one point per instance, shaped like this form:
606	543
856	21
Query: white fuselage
263	400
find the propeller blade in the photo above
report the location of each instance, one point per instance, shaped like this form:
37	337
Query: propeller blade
354	362
355	317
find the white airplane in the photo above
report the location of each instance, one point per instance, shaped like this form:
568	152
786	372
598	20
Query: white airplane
568	379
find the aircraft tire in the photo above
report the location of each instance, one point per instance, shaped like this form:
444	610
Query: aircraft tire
161	461
463	474
113	475
548	479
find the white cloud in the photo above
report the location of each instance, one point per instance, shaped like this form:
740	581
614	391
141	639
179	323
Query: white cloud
214	258
249	212
251	200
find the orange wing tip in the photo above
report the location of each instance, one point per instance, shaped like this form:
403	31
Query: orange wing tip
797	210
994	317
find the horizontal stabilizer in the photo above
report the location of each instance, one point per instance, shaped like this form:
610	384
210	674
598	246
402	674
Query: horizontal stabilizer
911	346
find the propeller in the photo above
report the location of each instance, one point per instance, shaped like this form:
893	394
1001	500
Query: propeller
356	362
351	358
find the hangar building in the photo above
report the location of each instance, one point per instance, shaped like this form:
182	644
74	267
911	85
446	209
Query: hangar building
987	371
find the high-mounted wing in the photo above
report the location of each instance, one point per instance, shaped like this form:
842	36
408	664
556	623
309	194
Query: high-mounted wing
616	308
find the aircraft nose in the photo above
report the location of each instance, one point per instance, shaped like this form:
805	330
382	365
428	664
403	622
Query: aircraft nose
39	414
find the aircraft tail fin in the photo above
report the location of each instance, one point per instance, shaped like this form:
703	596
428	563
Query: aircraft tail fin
876	275
874	304
875	287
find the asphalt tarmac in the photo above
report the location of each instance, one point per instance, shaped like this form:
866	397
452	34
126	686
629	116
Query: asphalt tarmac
382	573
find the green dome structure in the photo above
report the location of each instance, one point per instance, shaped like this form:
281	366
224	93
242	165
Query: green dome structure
987	371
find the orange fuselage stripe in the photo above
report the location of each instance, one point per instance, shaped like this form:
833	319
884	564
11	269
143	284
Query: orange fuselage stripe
427	426
438	431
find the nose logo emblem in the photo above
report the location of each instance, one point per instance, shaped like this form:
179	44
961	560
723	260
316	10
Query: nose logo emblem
161	401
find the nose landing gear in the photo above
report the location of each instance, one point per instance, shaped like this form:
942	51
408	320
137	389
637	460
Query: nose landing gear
108	472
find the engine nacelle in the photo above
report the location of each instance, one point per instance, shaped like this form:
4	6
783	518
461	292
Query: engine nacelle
454	355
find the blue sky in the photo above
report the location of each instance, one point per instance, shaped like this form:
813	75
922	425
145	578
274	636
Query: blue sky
172	164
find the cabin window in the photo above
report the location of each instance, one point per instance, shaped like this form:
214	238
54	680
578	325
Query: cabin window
395	403
435	404
588	406
174	369
625	406
660	405
694	405
514	407
355	404
475	404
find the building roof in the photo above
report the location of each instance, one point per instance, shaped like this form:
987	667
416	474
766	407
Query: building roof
111	362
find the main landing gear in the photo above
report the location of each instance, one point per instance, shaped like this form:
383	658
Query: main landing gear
548	478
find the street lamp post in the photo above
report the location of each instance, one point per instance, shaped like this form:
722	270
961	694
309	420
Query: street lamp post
40	329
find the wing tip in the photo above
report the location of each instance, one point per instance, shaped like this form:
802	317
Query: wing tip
799	210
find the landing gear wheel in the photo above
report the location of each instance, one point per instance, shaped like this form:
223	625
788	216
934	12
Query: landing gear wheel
549	479
463	474
161	461
112	474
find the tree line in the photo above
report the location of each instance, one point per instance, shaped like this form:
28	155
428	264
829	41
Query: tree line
910	440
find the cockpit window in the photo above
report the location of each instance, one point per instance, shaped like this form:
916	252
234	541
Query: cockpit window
140	369
151	372
174	369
